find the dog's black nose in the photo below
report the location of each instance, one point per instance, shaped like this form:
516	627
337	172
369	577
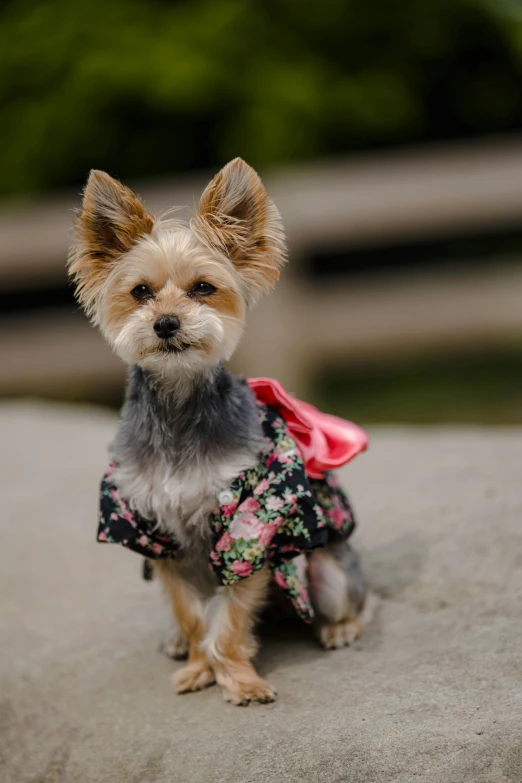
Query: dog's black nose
166	325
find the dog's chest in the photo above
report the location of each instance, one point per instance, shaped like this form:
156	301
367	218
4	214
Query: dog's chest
180	500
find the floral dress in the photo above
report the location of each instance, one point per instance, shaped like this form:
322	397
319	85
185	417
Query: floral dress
272	513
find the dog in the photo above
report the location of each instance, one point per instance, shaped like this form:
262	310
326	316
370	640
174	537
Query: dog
171	298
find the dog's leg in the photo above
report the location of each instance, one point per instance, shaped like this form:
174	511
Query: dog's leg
229	642
339	595
188	613
175	645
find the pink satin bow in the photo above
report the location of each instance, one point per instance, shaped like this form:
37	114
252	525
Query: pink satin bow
325	441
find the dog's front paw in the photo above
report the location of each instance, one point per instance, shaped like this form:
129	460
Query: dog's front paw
242	693
193	677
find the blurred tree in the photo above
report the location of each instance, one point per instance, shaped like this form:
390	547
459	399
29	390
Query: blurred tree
146	87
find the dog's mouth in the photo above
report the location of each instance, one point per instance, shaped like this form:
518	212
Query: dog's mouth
168	347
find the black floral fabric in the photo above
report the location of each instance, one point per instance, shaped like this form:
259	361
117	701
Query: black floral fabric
271	513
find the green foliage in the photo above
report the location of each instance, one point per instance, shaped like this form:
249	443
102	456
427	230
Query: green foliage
477	386
145	87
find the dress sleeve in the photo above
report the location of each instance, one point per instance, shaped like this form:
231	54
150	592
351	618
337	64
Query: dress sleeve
119	524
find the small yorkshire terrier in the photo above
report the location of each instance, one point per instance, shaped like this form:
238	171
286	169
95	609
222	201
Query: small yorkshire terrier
203	472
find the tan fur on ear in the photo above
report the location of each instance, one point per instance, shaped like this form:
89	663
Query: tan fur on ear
110	222
237	217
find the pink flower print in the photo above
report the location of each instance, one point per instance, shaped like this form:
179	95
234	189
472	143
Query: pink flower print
229	510
157	549
274	503
266	533
337	517
280	580
263	485
271	458
250	504
224	543
241	569
102	537
143	541
290	497
164	537
244	526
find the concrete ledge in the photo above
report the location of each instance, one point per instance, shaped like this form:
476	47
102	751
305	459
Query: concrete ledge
431	693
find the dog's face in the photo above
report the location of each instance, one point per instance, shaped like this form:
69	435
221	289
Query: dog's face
169	295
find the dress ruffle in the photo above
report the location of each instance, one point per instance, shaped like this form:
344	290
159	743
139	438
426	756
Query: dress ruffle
326	442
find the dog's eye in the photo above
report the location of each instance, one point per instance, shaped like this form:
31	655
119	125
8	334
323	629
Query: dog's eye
202	289
142	292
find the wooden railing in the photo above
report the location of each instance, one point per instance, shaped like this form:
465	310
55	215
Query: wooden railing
366	202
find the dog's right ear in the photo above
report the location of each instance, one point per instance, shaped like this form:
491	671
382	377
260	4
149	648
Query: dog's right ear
111	220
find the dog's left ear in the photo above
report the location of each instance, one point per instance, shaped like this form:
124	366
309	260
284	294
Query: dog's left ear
237	217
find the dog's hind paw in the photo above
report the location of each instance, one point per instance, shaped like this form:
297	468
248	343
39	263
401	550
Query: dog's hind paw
175	645
336	635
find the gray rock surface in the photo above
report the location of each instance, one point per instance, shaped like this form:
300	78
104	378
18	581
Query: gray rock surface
433	692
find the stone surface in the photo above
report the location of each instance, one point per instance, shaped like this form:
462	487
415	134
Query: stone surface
433	692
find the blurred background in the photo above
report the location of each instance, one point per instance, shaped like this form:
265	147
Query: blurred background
388	133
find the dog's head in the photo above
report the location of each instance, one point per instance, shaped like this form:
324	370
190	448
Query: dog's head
167	294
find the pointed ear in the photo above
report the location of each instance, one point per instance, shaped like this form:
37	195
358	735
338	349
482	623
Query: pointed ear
111	220
237	217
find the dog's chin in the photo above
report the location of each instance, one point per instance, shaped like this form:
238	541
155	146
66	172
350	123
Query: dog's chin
168	347
164	348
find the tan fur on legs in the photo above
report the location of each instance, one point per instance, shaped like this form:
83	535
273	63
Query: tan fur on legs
188	612
337	589
175	645
229	643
